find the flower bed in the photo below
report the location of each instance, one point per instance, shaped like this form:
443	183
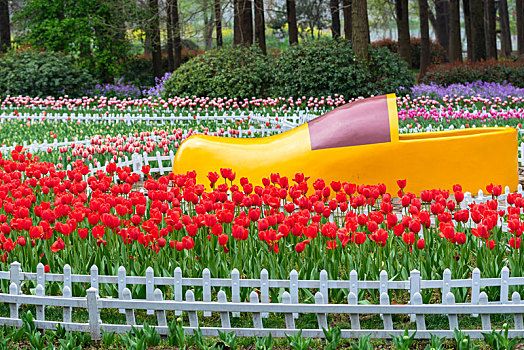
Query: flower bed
58	217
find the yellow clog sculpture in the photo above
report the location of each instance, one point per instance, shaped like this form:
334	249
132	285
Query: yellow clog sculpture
360	143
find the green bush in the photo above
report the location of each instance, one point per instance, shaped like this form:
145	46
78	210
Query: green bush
42	74
312	68
227	72
489	71
327	67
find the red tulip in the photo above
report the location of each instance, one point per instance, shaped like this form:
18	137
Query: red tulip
222	239
421	244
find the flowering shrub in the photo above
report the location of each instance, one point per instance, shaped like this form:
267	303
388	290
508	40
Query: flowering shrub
57	217
478	88
118	90
490	71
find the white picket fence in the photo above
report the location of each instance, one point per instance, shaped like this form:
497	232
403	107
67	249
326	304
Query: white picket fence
258	303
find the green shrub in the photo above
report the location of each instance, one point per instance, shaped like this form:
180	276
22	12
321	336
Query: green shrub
227	72
490	71
327	67
42	74
436	51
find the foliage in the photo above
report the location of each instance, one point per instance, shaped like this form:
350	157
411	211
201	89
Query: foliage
265	343
92	31
463	341
41	73
229	71
364	343
436	51
177	336
489	71
436	343
328	67
500	340
332	337
403	342
296	342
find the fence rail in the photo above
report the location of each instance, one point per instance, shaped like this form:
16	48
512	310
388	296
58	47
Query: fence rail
230	304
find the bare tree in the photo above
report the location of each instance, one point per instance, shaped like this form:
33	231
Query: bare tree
5	27
177	39
335	18
455	42
292	21
467	25
346	10
360	29
520	26
504	29
404	44
154	34
490	27
218	22
169	30
440	22
260	25
424	37
476	9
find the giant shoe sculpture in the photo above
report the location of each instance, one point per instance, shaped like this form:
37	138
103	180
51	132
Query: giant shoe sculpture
360	143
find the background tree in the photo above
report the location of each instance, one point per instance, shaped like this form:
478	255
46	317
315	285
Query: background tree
476	10
177	39
490	27
467	27
455	42
440	22
94	32
360	29
404	45
519	8
260	25
346	10
5	27
292	21
335	18
424	37
169	31
154	34
505	31
218	22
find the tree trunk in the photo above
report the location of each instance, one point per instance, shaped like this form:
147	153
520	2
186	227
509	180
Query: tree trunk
292	21
260	25
476	10
346	10
505	29
404	45
424	37
335	18
237	35
170	45
360	29
5	28
490	28
440	22
209	24
520	26
218	22
154	32
246	22
455	42
177	39
467	24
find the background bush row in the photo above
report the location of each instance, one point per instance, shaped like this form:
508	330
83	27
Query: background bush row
313	68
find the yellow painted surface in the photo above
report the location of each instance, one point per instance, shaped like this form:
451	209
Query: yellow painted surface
470	157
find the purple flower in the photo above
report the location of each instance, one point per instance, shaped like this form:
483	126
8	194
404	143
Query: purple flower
478	88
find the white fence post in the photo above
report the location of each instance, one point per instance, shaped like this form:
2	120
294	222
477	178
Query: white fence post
257	317
92	309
